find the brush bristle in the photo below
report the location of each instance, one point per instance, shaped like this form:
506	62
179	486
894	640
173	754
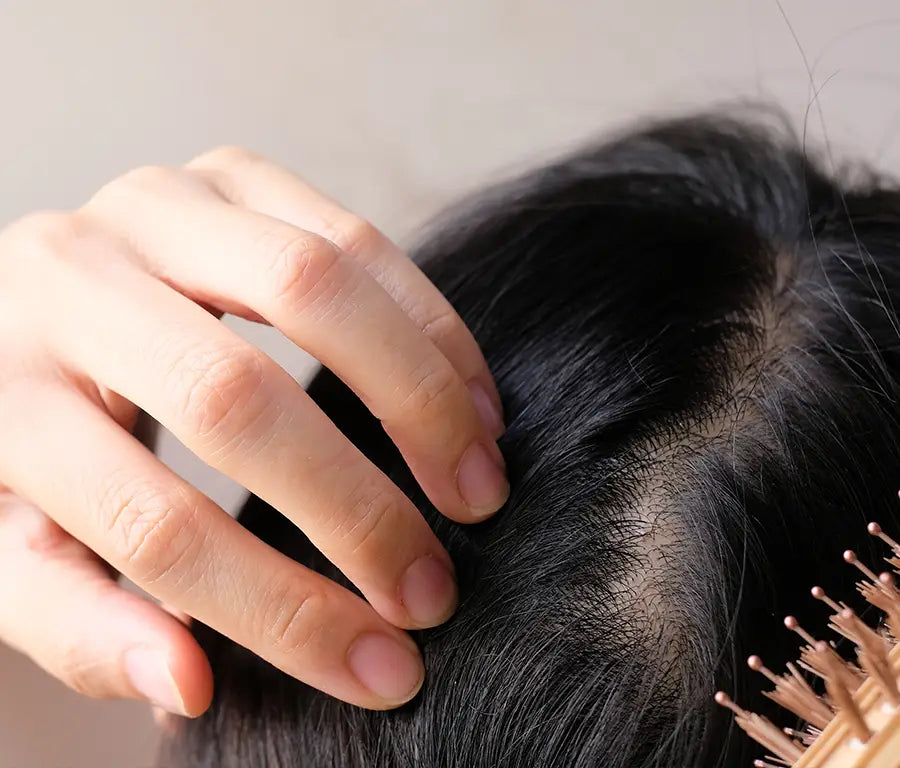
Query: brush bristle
842	679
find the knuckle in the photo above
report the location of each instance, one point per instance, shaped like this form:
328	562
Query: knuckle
293	619
44	536
224	156
48	233
25	526
217	390
136	183
305	267
75	670
152	530
444	324
433	390
354	235
146	177
374	518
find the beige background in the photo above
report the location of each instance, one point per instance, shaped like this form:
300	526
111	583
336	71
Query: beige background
394	108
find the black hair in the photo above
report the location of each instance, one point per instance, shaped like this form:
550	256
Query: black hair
693	330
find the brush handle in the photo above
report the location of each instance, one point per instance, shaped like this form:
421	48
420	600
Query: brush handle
836	747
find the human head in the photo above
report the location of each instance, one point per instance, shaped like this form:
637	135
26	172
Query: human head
693	330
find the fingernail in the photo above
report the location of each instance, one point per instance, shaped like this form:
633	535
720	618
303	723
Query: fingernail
490	415
148	671
428	591
482	481
386	667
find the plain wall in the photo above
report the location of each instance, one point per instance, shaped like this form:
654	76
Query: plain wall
394	108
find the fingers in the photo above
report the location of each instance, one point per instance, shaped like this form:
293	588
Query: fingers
138	341
260	185
105	489
326	303
242	414
60	606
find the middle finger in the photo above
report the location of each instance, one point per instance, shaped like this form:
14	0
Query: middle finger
326	303
244	415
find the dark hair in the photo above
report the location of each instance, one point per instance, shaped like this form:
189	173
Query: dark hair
693	329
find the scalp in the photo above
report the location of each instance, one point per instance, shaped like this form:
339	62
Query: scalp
674	319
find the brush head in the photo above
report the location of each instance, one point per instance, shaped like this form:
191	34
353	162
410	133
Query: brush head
860	700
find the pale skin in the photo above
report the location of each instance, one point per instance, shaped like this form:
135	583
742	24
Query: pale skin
114	308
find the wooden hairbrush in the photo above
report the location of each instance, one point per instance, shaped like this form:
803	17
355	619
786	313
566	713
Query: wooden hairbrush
855	722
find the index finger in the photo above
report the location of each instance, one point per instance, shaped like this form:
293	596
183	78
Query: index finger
253	182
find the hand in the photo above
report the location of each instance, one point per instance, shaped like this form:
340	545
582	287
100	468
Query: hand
115	307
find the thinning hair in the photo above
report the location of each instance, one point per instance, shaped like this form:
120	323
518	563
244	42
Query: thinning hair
693	330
